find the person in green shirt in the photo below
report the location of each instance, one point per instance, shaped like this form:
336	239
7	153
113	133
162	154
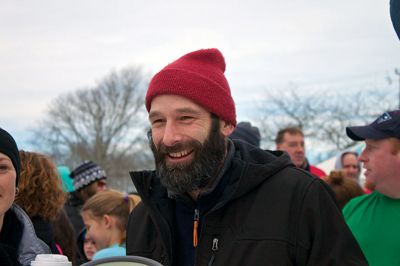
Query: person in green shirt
374	218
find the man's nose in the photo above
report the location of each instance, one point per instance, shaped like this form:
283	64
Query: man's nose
172	134
362	157
300	148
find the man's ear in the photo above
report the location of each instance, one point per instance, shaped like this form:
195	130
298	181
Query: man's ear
226	128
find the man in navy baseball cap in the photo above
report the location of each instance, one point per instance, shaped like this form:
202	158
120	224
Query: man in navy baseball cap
387	125
374	218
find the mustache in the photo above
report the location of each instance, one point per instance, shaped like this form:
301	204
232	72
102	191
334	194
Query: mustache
189	145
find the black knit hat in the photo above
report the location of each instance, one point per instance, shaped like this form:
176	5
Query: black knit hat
248	133
87	173
10	148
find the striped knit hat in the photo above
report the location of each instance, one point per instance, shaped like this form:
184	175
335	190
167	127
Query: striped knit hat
87	173
198	76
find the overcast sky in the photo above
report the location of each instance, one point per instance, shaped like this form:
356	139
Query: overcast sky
50	47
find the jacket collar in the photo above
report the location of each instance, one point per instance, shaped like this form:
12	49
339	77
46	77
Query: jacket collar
30	245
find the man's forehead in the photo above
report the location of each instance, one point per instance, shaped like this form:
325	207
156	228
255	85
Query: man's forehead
349	156
166	103
380	141
372	141
290	137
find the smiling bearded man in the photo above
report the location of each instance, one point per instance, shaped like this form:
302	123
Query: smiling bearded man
197	173
214	201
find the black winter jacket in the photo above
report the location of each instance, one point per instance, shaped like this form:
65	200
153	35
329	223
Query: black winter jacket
270	213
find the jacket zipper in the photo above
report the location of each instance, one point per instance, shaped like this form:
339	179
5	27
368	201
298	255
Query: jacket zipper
195	227
214	250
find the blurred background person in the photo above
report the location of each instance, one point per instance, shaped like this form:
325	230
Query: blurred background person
106	216
246	132
64	236
345	188
40	194
291	140
66	179
87	245
19	244
348	163
88	179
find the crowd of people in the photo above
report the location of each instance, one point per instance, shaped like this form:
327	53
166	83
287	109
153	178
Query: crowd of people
213	187
215	197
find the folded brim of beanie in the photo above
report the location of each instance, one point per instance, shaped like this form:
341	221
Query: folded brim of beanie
198	76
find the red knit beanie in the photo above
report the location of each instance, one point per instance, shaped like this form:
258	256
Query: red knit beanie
198	76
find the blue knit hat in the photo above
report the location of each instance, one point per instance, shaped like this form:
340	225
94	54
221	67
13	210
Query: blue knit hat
248	133
87	173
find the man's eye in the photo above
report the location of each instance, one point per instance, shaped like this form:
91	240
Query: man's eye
185	118
156	121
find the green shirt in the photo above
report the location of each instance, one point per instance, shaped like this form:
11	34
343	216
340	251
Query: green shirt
374	220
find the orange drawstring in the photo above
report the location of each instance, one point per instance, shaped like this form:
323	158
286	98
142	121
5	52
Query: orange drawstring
196	224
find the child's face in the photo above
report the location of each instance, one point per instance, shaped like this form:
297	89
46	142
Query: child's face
97	231
89	247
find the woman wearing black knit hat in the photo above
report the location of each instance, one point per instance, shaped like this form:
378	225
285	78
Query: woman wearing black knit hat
18	242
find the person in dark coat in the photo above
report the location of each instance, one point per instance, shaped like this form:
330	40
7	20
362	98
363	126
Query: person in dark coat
88	179
64	236
244	131
214	201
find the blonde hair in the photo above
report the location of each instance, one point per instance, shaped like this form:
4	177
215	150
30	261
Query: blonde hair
113	203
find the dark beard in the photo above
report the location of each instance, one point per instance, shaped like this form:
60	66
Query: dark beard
197	174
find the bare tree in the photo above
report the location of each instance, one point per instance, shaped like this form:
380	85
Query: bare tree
104	124
323	116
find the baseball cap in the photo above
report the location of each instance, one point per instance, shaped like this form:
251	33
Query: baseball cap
387	125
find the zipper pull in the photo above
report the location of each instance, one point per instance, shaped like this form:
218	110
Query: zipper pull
214	250
215	245
195	226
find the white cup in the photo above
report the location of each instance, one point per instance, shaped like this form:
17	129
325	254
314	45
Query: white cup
51	260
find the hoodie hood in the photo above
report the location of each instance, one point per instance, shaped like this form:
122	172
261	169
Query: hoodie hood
251	166
338	162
